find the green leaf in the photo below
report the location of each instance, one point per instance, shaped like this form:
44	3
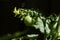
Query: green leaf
47	28
39	25
59	30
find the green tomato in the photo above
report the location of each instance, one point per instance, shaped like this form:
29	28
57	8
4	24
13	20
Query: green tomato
28	20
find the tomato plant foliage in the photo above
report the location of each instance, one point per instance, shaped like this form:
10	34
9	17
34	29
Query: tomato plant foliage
49	26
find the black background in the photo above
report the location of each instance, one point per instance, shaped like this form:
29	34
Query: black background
11	24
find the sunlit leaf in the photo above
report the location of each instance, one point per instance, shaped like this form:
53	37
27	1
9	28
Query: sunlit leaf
47	28
39	25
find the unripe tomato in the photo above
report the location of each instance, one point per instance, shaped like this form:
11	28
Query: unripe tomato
28	20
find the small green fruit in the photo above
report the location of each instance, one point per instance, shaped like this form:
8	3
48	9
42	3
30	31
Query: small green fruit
28	20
